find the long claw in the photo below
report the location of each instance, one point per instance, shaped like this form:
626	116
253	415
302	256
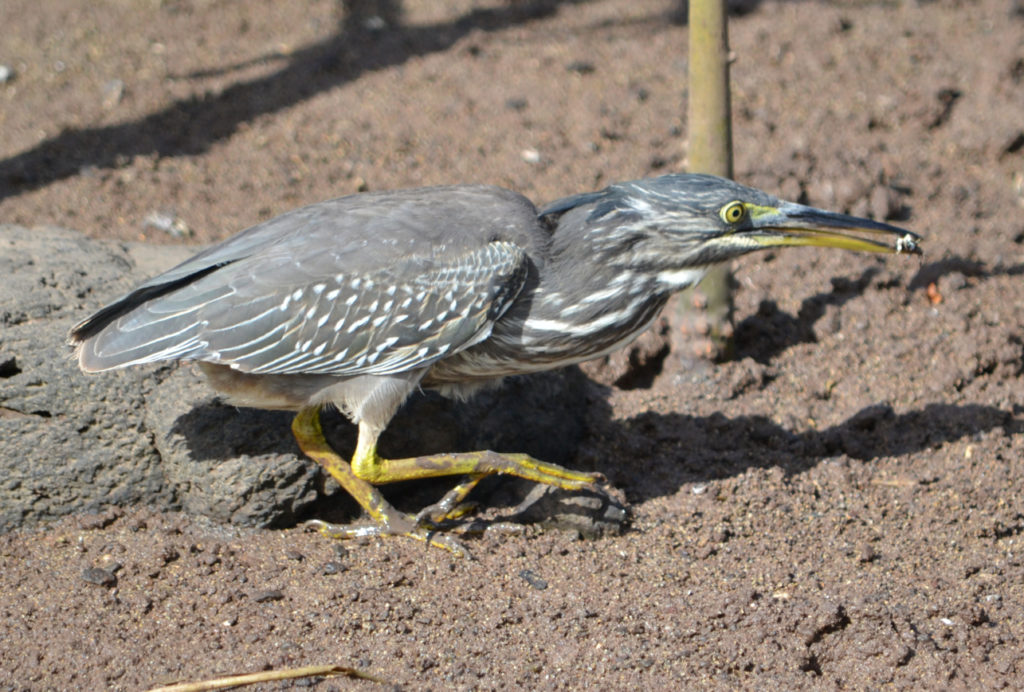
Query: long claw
433	516
424	534
450	507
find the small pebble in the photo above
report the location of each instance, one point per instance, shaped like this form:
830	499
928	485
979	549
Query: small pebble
100	577
866	553
333	567
270	595
111	93
168	223
6	74
92	522
883	202
533	580
954	281
581	67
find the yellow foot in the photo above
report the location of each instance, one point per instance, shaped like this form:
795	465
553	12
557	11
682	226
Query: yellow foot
369	469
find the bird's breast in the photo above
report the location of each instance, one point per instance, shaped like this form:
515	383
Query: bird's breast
537	340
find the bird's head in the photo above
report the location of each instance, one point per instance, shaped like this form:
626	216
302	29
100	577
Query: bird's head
679	222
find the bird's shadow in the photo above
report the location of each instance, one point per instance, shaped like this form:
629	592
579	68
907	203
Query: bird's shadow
664	452
647	456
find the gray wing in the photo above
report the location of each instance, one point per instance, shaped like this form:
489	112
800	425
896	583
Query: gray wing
370	284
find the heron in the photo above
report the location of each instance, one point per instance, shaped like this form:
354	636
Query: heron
359	301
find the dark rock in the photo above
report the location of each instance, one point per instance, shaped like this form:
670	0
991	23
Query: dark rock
232	464
78	443
71	443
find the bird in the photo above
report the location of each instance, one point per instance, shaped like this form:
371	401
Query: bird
359	301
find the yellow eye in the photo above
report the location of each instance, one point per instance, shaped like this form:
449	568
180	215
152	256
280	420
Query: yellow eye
733	212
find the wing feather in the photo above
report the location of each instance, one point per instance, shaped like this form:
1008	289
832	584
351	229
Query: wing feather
369	284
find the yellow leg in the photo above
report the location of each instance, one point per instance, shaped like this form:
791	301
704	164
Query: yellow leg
369	466
388	520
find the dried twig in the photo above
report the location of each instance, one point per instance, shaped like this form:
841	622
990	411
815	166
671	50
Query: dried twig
266	676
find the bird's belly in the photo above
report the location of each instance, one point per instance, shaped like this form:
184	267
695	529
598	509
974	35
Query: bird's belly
275	392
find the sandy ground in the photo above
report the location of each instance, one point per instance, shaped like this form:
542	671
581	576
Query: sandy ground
836	507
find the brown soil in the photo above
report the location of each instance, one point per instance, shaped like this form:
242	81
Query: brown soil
838	506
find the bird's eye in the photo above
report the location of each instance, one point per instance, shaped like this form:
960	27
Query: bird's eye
733	212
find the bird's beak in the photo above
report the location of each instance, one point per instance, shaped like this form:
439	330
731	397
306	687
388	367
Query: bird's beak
795	224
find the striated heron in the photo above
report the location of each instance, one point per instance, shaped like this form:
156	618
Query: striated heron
359	301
